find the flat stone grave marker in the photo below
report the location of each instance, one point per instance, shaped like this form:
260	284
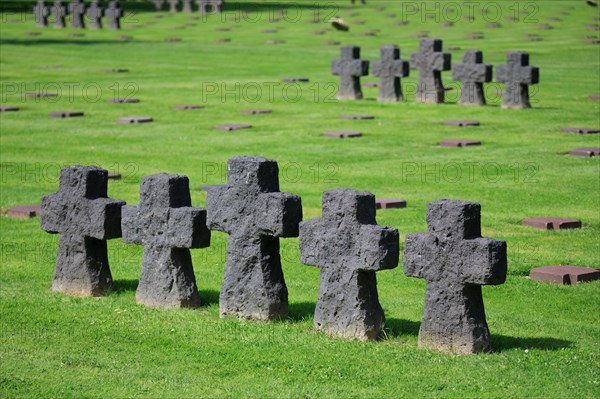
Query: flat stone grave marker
554	19
475	36
269	31
233	126
349	247
318	32
533	37
430	61
8	108
274	41
459	143
295	80
549	223
461	123
446	24
187	106
545	27
24	211
172	39
510	19
401	23
343	134
360	22
222	40
580	130
517	75
253	211
594	97
591	40
123	100
33	33
493	25
76	35
389	203
564	275
40	94
356	116
222	29
469	18
420	34
124	37
135	119
114	176
65	114
255	111
330	43
117	70
456	261
368	33
585	152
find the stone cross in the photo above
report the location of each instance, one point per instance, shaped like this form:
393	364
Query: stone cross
94	14
173	5
472	73
517	74
187	6
390	68
350	68
58	12
113	13
158	4
255	214
349	247
77	11
430	61
166	225
41	14
216	5
85	217
456	261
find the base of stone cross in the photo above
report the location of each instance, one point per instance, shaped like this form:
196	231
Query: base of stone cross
456	344
565	275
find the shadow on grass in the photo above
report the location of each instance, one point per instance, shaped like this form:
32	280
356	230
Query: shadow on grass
122	286
208	298
395	328
36	42
300	311
503	342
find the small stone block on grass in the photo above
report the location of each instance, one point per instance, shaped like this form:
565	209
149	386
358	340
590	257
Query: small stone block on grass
585	152
135	119
8	108
62	114
355	117
255	111
40	94
172	39
343	134
117	70
594	97
459	143
24	211
295	80
114	176
564	275
387	203
461	123
552	223
580	130
123	100
233	126
187	106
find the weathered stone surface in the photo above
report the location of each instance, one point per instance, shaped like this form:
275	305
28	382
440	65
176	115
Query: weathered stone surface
388	203
123	100
461	123
24	211
472	73
430	61
350	68
517	75
349	247
580	130
64	114
135	119
254	214
208	187
564	275
389	69
585	152
459	143
85	217
77	11
233	126
8	108
58	12
552	223
187	106
255	111
41	13
167	225
343	134
455	260
354	117
113	13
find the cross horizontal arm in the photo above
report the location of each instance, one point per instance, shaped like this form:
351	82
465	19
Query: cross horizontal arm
378	248
281	214
187	228
484	261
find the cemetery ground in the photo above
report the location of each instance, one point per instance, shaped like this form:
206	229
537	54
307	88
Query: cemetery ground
544	337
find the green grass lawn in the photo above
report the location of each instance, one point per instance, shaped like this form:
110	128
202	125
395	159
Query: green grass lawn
545	337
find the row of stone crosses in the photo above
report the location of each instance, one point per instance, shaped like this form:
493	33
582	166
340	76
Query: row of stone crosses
203	5
516	74
346	243
79	12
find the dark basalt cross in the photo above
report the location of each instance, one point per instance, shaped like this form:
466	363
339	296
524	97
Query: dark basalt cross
41	14
114	13
430	61
85	217
456	261
472	73
517	74
58	12
255	214
390	68
77	11
350	68
349	247
94	14
166	225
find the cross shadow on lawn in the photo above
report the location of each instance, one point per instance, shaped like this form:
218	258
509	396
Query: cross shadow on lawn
299	311
119	287
395	328
503	342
